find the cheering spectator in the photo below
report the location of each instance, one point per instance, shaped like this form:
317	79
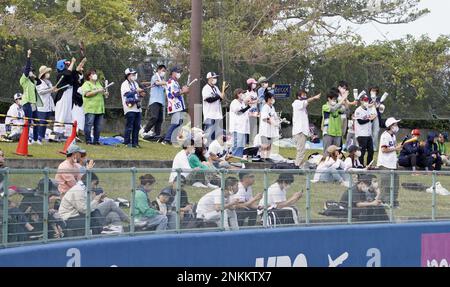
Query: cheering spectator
175	102
269	125
375	111
363	129
45	90
280	209
68	173
387	160
157	102
248	205
210	205
252	97
14	118
263	89
77	97
30	99
331	120
94	106
143	212
343	92
131	101
443	137
239	122
300	128
212	107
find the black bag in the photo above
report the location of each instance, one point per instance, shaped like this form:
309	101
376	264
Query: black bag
334	208
283	165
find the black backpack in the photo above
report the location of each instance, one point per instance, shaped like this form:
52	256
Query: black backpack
334	208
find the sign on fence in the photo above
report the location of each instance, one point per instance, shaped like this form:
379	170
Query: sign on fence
282	91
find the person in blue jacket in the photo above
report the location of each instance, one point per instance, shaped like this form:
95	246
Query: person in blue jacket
431	152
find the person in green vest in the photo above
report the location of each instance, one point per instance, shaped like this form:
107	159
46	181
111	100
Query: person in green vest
94	106
442	148
30	98
331	120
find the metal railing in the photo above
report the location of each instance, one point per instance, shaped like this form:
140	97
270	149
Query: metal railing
415	205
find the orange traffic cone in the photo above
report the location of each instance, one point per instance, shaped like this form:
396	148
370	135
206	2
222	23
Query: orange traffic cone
71	139
22	147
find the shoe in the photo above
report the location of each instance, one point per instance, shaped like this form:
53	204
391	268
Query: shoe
314	181
212	186
441	190
142	133
39	142
164	142
112	229
199	185
30	142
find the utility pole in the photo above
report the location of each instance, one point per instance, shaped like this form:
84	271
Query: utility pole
195	58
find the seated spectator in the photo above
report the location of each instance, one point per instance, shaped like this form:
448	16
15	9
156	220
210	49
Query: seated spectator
20	228
104	211
412	153
433	160
68	173
352	161
143	212
366	203
443	138
32	205
210	205
198	161
14	120
280	209
162	205
187	219
248	205
329	167
218	153
181	161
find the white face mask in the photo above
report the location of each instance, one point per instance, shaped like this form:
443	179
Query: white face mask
332	103
214	81
373	95
178	76
273	102
47	76
366	105
395	129
358	153
162	74
31	75
133	77
94	77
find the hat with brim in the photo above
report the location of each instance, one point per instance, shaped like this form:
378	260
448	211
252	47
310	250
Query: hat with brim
332	148
211	75
391	121
74	149
262	80
44	70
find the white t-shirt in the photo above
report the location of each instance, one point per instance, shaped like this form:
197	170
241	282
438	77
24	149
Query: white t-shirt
217	149
328	163
266	129
126	87
387	160
239	122
208	201
348	163
362	130
274	195
243	194
180	161
15	111
211	110
300	121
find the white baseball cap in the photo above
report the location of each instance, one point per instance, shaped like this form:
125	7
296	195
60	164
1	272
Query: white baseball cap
211	75
130	71
17	96
391	121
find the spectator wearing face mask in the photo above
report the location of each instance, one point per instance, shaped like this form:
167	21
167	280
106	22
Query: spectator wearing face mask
252	97
269	126
94	106
45	90
352	161
374	109
212	108
343	92
264	87
157	101
433	159
239	122
30	99
387	159
176	106
363	129
14	118
331	121
411	155
68	173
443	137
131	101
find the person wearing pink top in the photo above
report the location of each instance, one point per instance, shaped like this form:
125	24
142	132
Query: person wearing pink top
69	170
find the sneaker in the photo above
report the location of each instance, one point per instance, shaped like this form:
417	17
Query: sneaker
142	133
30	142
212	186
441	190
164	142
199	185
112	229
39	142
314	181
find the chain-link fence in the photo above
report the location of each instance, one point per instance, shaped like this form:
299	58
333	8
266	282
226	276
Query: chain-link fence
49	205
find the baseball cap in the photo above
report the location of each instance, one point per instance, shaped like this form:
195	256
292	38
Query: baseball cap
61	64
415	132
391	121
251	81
166	191
364	98
211	75
332	149
262	80
176	69
130	71
17	96
73	149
